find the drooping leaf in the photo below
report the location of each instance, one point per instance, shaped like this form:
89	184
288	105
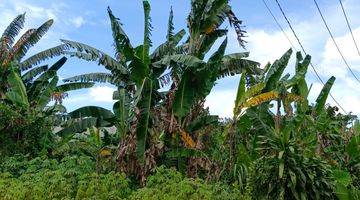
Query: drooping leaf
81	125
43	55
168	47
93	77
91	111
72	86
103	59
234	64
186	60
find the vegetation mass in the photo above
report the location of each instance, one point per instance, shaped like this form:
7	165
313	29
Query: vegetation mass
166	145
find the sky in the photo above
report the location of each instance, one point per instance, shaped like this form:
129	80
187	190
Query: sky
87	22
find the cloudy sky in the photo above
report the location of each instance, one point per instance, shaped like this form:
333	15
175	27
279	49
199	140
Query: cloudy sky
87	22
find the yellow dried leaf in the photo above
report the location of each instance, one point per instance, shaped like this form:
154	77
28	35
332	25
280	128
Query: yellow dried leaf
105	153
261	98
293	97
188	141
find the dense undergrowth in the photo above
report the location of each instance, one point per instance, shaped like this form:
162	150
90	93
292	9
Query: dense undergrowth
160	142
75	178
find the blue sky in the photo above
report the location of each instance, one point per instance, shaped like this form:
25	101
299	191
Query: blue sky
87	22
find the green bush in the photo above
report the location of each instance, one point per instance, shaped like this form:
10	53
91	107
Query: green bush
71	178
169	184
25	132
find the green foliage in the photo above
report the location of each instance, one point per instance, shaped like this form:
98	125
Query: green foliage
24	132
170	184
285	172
70	178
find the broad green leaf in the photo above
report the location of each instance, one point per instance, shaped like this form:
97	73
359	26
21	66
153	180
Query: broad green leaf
321	100
91	111
276	70
142	128
17	93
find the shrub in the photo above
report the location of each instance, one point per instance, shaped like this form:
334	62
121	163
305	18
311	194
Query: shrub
71	178
170	184
24	132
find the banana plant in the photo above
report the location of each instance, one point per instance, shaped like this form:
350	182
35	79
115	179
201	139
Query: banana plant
132	70
12	52
36	88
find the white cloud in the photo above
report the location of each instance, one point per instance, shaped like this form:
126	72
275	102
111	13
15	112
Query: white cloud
221	102
78	21
268	45
101	94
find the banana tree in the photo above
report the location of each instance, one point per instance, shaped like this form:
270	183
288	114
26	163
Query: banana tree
12	52
28	99
37	87
132	71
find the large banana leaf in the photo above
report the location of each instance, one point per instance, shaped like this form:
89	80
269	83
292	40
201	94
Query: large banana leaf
81	125
276	70
30	41
169	47
17	93
43	55
31	74
321	100
234	64
91	111
93	77
72	86
144	105
121	109
147	33
240	93
184	96
124	50
12	30
186	60
52	71
209	40
218	55
45	96
103	59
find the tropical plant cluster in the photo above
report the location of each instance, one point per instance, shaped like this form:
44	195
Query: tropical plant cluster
166	145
